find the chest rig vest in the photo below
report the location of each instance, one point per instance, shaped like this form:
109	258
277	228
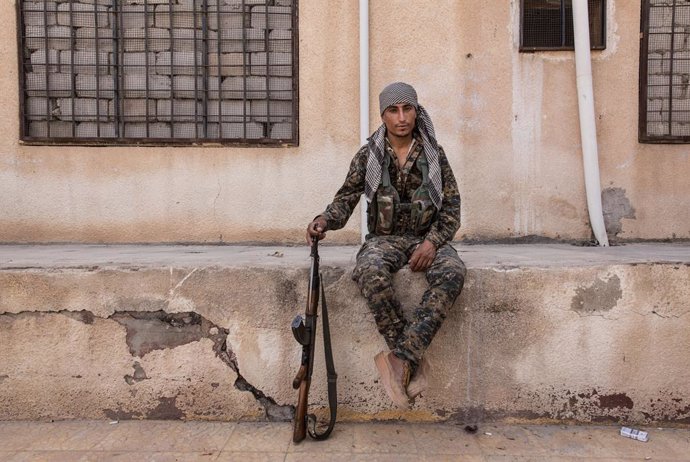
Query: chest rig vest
385	209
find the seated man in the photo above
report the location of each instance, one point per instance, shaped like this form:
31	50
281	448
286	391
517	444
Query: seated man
414	211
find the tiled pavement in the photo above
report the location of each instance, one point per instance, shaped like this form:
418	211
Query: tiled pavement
259	441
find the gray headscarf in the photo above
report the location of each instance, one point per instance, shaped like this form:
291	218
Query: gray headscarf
397	93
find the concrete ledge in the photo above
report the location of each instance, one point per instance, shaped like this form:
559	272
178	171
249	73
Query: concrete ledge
541	332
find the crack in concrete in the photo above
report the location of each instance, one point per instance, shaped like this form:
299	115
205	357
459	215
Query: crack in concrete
172	291
157	330
656	313
669	316
651	313
592	315
274	411
170	330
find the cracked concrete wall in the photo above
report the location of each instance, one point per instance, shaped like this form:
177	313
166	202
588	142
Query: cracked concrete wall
61	366
569	360
530	344
507	120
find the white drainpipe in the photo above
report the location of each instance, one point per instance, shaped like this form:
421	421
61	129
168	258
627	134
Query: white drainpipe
588	129
363	92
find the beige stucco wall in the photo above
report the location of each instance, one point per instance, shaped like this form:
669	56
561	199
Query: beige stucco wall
507	120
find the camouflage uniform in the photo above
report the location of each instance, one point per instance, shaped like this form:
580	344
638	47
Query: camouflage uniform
381	256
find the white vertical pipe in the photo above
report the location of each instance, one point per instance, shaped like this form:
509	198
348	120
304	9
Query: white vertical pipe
363	93
588	130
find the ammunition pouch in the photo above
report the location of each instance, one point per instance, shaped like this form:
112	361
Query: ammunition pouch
386	207
422	211
383	211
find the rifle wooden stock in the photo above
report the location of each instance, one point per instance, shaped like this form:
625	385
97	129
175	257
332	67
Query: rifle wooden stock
299	431
301	373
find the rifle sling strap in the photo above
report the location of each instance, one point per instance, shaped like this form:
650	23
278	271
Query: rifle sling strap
330	373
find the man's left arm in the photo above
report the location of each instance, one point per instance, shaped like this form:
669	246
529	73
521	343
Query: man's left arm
447	222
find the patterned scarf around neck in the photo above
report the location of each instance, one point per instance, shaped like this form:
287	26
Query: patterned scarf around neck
397	93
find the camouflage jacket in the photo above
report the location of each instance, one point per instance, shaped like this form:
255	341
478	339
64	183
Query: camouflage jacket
405	181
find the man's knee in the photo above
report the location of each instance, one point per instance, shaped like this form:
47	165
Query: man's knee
371	278
449	273
457	276
446	282
369	269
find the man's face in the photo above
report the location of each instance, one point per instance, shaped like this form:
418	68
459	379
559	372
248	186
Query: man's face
399	119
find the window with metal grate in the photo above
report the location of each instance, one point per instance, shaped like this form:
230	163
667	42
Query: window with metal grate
665	72
548	25
158	71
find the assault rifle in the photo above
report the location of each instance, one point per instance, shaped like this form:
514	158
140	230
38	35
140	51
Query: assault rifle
304	330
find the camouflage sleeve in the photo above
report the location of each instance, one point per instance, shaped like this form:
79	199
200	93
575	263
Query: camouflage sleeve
338	212
448	222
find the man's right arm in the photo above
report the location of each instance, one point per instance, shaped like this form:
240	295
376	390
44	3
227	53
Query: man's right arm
339	211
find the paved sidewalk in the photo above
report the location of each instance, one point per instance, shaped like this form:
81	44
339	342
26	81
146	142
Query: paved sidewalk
259	441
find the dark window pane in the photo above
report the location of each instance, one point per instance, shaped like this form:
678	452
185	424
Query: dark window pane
125	71
665	72
541	23
548	24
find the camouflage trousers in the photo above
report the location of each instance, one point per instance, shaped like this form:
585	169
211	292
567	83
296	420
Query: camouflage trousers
377	260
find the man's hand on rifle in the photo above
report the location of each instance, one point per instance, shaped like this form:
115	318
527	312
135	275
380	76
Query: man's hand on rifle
316	228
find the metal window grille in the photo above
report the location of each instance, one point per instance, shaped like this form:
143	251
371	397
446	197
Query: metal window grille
158	71
665	72
548	25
